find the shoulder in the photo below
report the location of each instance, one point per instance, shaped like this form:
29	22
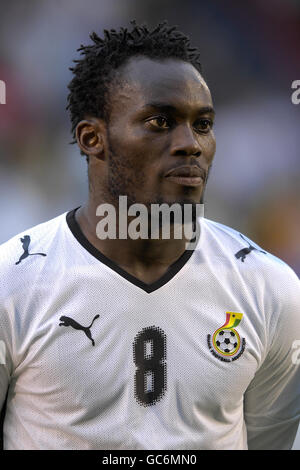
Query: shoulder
228	236
21	252
265	282
251	259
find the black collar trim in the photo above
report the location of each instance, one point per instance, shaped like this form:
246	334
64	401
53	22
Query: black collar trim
172	270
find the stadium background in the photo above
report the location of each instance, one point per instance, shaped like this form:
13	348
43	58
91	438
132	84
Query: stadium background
250	55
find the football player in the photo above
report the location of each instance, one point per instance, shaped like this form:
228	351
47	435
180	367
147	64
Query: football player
144	343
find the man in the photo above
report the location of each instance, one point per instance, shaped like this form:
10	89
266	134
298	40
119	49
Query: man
145	343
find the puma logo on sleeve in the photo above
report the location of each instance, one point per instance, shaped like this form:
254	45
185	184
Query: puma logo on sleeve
25	244
245	251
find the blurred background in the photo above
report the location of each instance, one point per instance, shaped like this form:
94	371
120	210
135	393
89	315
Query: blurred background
250	55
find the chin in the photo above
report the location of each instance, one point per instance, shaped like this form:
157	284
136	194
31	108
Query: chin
179	200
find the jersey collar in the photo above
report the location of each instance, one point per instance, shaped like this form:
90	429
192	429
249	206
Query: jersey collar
173	269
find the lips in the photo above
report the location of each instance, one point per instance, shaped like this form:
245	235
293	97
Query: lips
187	171
187	175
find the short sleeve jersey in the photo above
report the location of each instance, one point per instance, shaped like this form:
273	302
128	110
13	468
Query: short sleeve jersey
93	358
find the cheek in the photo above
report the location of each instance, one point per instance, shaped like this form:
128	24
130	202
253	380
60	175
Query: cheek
124	141
138	149
126	167
209	146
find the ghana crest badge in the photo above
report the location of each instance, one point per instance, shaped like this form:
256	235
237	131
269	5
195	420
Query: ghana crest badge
225	343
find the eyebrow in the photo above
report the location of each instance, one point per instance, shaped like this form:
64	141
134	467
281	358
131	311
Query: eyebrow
172	109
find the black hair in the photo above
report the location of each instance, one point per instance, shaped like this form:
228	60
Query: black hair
93	74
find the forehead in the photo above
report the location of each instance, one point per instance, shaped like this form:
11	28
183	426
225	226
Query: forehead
171	81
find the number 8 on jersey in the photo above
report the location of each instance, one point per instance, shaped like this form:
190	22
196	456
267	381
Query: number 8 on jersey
149	355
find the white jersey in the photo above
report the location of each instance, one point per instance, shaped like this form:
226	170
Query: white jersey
93	358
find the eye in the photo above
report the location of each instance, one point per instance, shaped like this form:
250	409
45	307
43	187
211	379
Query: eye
204	125
159	122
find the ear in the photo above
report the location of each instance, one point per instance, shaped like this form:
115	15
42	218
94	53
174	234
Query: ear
91	137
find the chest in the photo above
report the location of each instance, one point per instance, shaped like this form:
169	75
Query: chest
97	346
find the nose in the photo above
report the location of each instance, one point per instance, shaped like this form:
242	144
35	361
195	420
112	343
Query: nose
184	142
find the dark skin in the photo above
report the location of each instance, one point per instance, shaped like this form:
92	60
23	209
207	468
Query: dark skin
160	117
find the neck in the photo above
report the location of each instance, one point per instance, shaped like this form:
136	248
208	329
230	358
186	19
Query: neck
138	256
